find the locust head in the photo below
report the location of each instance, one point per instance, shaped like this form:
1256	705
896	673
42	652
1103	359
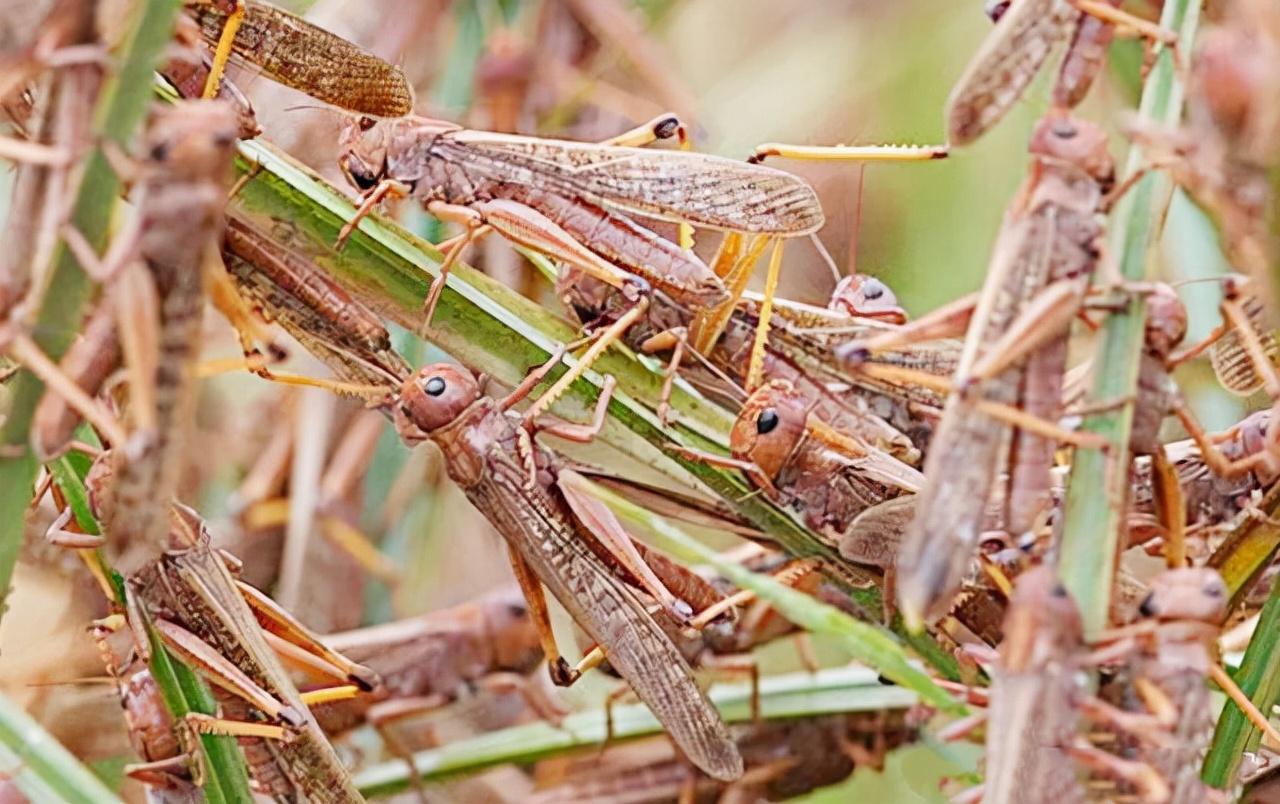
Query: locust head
1066	140
434	397
771	424
185	139
511	632
863	296
364	143
1189	593
994	9
1042	623
1166	320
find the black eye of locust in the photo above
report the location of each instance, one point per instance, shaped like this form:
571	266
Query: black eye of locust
873	290
767	421
434	387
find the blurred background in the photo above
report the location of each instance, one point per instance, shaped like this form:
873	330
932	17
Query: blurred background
267	467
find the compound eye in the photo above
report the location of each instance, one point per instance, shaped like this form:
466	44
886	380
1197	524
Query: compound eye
435	386
1064	130
367	123
767	421
873	289
364	179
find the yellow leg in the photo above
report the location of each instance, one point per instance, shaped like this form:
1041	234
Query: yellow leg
850	153
602	342
755	368
222	53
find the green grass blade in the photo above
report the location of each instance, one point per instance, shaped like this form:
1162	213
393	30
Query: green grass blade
786	696
40	765
121	107
1094	513
1259	678
870	645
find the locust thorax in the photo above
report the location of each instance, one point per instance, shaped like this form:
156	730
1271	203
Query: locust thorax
770	426
1041	624
1191	593
1072	142
434	397
863	296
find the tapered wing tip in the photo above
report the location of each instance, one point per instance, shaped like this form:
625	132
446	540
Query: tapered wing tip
725	764
364	678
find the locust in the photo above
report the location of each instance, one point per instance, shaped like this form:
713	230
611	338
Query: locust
56	121
155	271
550	529
427	661
1169	656
571	201
289	290
785	758
211	617
228	632
300	55
1011	370
826	477
150	727
1018	46
1033	719
797	350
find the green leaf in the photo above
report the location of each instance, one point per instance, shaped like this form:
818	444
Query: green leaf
787	696
1093	516
1259	678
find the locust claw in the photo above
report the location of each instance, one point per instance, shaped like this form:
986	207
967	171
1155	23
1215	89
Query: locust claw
562	675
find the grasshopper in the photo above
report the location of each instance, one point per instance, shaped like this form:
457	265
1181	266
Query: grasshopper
156	271
826	477
550	529
427	661
793	352
1044	256
1032	718
1015	50
785	758
300	55
571	200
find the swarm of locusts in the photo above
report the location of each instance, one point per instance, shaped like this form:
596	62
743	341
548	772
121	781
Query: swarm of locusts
1005	512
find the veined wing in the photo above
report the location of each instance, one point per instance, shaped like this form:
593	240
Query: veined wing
301	55
886	470
1005	64
527	518
678	186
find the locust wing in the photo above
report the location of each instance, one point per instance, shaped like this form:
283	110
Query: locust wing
678	186
1005	64
305	57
